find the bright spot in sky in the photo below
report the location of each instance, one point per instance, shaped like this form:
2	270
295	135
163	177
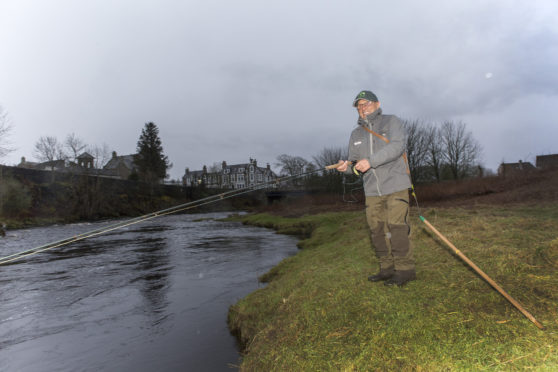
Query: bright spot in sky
488	75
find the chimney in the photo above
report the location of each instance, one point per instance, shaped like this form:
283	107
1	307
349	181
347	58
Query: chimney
23	160
114	154
224	165
204	169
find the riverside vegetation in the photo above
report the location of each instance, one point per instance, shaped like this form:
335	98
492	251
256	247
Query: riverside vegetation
30	198
319	312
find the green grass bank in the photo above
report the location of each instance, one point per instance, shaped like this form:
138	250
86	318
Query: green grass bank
319	312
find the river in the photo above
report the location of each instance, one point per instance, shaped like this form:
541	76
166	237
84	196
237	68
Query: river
149	297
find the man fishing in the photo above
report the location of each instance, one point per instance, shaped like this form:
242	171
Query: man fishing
377	151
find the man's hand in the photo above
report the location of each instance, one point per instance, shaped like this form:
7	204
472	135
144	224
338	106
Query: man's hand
342	165
362	165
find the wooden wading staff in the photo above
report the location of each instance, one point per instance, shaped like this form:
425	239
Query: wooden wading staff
482	273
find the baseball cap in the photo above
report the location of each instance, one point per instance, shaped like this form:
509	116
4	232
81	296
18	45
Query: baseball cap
367	95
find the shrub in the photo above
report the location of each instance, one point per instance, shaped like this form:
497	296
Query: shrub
15	198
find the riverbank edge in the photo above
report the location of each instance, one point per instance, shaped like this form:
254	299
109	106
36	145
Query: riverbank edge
261	317
16	224
246	328
30	222
287	226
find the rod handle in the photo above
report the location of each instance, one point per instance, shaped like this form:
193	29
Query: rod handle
333	166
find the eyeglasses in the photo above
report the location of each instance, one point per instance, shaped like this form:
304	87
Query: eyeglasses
363	104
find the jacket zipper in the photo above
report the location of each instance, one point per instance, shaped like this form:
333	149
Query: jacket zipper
374	170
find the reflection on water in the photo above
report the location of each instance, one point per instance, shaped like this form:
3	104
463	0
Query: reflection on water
150	297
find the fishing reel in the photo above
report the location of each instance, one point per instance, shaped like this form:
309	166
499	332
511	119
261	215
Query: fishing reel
354	170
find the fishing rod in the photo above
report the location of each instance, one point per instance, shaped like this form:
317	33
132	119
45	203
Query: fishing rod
470	263
237	192
163	212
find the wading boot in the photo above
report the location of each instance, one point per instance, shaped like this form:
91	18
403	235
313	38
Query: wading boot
401	277
384	274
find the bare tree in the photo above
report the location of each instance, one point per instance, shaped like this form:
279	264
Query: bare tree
330	155
327	180
461	151
434	159
5	129
215	168
102	154
291	165
75	145
49	149
417	148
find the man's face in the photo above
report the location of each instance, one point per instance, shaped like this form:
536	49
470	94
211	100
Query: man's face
366	107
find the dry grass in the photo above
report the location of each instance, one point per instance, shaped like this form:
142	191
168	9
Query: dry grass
319	312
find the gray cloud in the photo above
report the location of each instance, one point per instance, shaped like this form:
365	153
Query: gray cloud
229	81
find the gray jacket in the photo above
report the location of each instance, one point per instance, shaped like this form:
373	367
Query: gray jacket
389	170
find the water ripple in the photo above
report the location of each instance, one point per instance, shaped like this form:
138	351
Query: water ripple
151	296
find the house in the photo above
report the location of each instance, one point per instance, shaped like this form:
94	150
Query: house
60	165
547	161
120	166
86	160
194	178
27	164
236	176
117	167
514	169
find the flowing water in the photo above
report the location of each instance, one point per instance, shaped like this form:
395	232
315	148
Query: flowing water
149	297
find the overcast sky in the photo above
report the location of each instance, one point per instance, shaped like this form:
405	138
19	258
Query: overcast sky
230	80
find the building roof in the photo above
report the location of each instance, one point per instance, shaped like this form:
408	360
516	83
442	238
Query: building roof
237	167
86	155
233	168
115	161
197	173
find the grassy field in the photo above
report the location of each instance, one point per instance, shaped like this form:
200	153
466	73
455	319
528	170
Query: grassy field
319	312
